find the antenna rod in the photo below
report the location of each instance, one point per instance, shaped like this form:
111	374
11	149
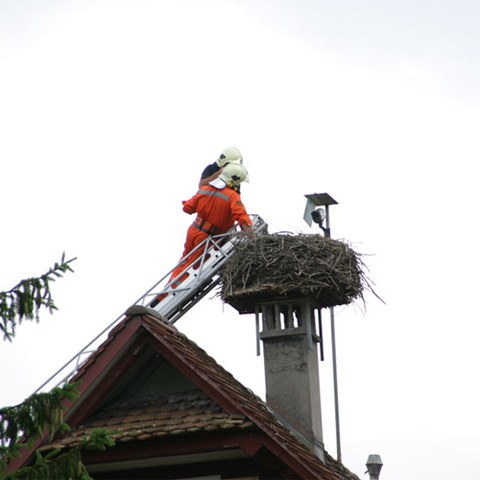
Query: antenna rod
334	356
335	386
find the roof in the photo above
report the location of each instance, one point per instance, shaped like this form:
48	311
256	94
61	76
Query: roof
209	400
156	417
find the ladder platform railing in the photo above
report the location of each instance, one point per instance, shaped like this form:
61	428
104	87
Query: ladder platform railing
177	298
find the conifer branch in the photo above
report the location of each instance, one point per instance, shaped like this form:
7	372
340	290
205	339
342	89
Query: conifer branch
26	298
57	464
39	413
42	413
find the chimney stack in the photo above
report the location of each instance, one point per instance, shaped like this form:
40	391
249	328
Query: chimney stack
290	334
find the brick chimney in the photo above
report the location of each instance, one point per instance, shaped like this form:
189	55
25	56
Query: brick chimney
290	332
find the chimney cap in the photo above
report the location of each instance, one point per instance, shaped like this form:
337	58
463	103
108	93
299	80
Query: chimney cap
374	464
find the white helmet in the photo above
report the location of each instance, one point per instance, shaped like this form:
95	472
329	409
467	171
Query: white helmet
229	155
234	174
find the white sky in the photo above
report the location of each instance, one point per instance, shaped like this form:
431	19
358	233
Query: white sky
109	110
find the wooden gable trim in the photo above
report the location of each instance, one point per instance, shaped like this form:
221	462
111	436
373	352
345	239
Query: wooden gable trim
249	442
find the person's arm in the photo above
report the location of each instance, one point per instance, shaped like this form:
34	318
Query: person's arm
240	214
190	206
211	172
207	180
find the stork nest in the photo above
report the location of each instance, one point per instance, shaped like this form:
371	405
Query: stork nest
282	266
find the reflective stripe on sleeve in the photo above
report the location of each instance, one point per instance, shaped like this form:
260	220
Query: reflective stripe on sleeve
214	194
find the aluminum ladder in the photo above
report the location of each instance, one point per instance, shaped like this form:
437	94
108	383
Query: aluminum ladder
202	278
201	274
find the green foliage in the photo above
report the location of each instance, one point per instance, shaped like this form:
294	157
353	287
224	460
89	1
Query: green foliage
27	297
98	439
40	413
63	465
56	465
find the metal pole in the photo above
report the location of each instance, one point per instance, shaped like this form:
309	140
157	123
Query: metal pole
335	385
334	360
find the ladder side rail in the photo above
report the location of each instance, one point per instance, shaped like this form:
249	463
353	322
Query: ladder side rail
144	299
192	302
198	275
182	294
152	292
202	282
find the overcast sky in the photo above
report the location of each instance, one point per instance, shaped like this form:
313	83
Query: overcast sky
110	110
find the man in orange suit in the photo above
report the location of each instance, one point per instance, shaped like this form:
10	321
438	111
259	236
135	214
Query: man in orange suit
218	206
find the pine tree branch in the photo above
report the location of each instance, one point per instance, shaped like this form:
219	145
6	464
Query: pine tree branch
66	466
26	298
42	413
39	413
61	464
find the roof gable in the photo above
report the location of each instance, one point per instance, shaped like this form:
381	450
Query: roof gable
149	381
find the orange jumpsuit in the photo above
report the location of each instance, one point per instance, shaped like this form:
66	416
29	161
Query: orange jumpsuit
217	211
